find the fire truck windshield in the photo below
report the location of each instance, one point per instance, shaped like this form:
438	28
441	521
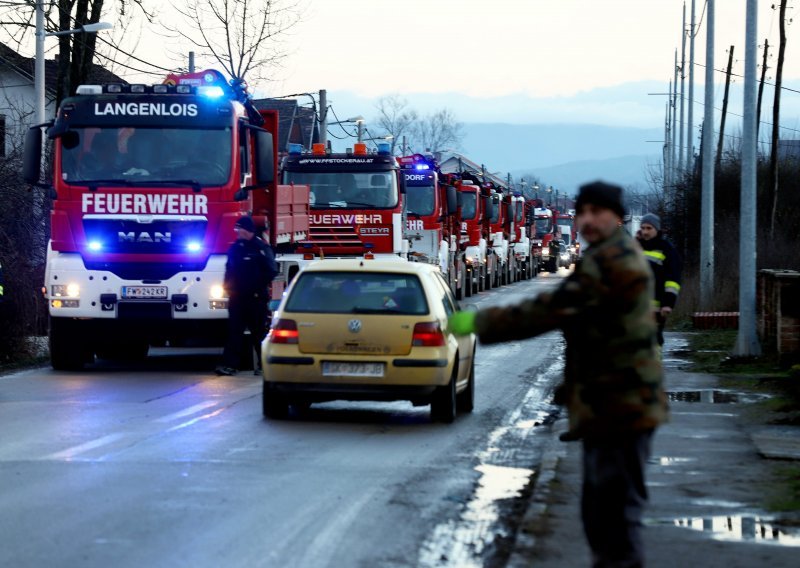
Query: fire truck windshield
468	204
420	199
348	190
542	226
146	155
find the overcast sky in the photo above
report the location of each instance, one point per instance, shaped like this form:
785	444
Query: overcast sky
497	60
486	48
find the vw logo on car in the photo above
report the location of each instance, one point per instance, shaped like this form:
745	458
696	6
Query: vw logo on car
354	326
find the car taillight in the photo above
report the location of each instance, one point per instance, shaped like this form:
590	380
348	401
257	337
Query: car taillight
427	335
283	331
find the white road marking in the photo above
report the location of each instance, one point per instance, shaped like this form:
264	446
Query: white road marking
187	411
75	451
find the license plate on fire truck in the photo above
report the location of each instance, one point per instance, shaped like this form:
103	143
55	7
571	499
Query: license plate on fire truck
144	292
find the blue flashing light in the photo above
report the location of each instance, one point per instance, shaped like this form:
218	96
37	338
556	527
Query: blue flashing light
369	246
95	246
193	246
211	91
295	148
384	148
422	167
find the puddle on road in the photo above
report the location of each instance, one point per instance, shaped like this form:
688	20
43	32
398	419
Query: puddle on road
667	460
714	396
742	528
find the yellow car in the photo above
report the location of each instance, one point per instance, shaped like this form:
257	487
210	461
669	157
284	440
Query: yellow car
367	330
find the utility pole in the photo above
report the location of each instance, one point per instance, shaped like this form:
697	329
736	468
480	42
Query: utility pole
667	151
323	116
683	77
776	119
191	62
747	344
674	157
761	86
690	118
721	143
707	197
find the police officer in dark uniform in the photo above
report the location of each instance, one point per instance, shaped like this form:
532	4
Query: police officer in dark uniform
249	272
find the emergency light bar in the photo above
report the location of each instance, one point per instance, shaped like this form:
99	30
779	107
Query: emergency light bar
213	91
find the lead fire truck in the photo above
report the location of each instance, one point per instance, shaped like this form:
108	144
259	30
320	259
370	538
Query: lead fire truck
148	182
355	200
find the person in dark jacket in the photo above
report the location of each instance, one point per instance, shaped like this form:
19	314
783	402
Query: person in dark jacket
666	266
249	273
612	376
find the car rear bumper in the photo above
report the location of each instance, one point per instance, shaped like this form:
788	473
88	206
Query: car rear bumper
322	392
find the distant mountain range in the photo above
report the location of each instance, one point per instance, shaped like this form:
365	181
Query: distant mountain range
565	155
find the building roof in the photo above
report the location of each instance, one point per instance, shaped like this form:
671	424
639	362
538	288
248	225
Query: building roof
24	67
296	124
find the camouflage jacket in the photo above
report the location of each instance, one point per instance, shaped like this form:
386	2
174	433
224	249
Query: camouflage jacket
613	375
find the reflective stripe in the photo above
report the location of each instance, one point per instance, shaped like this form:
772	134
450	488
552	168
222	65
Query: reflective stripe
656	303
656	256
672	287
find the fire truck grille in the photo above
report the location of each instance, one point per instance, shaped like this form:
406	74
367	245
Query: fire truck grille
334	236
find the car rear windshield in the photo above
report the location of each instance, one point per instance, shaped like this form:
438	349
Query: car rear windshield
357	293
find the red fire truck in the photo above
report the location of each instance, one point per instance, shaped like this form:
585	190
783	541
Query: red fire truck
148	182
355	200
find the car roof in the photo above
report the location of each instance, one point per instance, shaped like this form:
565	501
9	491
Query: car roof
368	265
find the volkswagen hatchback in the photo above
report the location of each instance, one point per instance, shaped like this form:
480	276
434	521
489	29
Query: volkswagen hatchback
367	330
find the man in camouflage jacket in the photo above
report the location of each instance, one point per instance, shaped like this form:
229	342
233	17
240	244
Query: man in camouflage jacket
613	376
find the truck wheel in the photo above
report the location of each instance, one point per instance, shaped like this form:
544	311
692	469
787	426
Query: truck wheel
465	400
273	405
66	352
443	402
468	283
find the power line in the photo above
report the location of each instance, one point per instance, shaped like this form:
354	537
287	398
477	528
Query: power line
742	76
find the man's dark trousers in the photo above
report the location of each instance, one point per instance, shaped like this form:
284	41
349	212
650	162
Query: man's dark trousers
247	311
614	495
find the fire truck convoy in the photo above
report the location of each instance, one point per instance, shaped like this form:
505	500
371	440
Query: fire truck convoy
148	182
475	234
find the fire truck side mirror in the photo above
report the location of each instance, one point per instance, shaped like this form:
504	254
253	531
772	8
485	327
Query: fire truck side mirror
452	200
489	206
265	157
32	156
402	184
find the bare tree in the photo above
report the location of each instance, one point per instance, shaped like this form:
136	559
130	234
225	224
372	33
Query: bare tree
242	35
438	131
76	52
395	118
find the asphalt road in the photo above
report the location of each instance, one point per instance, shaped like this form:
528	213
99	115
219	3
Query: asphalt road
165	464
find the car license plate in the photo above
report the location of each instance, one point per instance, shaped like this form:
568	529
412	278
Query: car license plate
144	292
351	369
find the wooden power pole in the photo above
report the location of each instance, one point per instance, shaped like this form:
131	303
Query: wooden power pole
776	118
724	108
761	86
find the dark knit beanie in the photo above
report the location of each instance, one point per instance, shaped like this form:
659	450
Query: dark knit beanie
247	224
603	195
651	219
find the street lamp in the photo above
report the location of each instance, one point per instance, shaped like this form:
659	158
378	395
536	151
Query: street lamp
358	121
38	79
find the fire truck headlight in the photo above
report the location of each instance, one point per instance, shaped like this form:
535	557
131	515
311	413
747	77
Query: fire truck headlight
65	290
193	246
217	292
95	246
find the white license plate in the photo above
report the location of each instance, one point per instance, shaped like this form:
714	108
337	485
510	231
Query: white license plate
144	292
349	369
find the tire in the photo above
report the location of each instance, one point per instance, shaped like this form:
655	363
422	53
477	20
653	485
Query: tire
273	405
66	353
468	283
443	402
465	400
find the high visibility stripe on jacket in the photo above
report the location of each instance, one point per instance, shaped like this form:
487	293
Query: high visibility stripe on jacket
666	266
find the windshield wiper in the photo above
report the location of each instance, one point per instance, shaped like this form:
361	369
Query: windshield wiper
94	183
194	184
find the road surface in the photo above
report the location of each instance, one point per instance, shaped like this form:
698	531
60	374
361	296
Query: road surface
166	464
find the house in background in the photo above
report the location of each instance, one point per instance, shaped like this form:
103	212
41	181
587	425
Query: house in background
296	124
18	97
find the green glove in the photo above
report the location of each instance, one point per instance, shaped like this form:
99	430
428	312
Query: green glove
462	323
